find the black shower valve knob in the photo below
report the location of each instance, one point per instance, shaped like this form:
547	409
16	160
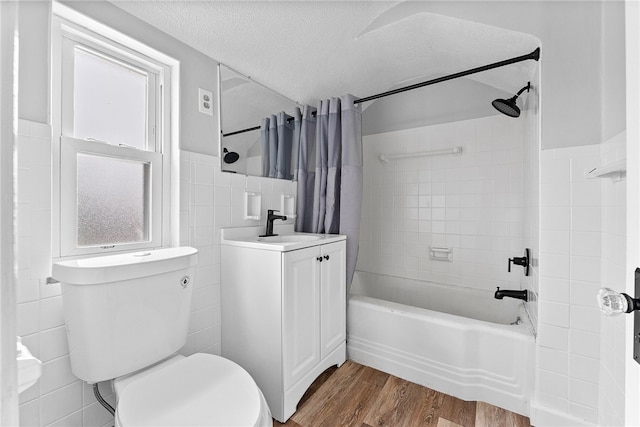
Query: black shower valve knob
521	261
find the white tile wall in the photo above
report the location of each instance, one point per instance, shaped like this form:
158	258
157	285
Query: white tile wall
613	335
472	203
206	195
211	200
196	225
582	244
58	397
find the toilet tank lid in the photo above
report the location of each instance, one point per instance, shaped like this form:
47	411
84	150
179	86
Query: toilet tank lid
113	268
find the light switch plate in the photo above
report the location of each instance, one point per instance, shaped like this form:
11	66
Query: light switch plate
205	102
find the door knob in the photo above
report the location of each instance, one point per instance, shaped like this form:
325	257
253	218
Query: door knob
613	303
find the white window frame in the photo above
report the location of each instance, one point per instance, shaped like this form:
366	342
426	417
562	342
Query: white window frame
72	39
161	143
70	148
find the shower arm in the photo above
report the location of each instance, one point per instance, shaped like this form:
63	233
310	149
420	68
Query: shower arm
527	88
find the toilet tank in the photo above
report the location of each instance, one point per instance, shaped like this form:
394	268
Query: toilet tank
125	312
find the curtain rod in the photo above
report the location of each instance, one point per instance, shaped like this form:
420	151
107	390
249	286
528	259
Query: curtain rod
241	131
289	120
535	55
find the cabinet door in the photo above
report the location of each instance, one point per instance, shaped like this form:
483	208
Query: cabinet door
301	316
333	296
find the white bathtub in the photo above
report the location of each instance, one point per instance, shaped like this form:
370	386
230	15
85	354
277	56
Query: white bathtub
459	341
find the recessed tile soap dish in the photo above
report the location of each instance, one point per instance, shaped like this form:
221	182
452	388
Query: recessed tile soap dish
441	253
253	205
288	205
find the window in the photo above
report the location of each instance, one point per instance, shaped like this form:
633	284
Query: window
111	129
110	99
118	214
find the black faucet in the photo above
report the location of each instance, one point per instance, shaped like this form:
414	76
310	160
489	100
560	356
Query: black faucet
523	295
270	218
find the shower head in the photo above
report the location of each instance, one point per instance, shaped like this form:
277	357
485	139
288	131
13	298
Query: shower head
509	106
230	156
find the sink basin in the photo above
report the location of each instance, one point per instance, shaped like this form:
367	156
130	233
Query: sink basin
290	238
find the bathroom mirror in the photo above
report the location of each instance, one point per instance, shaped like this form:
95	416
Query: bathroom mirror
244	103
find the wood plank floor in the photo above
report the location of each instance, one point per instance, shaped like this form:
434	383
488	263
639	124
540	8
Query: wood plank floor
360	396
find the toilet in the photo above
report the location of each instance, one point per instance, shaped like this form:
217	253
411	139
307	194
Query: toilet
126	316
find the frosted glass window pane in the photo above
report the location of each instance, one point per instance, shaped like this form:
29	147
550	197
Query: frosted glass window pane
112	201
109	101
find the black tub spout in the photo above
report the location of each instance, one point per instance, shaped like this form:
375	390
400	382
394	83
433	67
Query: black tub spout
523	295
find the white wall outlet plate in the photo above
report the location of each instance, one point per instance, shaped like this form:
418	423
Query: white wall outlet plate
205	102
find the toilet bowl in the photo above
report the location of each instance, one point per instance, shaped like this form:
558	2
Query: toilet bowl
126	317
199	390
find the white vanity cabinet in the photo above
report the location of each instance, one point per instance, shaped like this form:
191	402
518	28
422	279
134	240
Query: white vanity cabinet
284	314
314	307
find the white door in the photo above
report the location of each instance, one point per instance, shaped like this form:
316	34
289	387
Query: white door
8	307
632	369
301	316
333	310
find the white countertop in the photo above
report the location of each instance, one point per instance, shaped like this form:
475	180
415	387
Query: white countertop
287	239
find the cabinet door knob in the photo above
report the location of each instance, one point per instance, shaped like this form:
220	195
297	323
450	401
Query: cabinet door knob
319	258
326	257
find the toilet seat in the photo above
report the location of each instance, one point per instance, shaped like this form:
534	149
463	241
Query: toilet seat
202	389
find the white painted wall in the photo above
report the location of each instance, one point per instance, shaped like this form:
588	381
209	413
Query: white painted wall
198	132
582	49
613	60
35	58
451	101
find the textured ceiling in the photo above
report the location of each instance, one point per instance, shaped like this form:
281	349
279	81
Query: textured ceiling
308	50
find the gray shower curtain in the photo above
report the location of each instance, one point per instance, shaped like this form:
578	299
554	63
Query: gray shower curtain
330	173
279	139
306	171
264	144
